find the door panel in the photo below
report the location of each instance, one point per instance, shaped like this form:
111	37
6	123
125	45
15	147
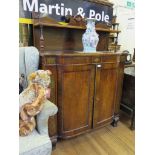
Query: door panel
75	99
106	77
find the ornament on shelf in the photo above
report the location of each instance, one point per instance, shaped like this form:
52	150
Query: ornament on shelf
90	38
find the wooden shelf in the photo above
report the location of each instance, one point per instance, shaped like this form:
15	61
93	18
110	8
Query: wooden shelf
73	27
115	23
113	44
112	36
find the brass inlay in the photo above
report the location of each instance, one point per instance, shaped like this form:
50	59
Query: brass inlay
50	60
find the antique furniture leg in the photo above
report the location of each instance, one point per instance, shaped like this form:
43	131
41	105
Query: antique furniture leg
53	130
115	120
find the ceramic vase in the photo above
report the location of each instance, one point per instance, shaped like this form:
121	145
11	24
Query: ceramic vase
90	38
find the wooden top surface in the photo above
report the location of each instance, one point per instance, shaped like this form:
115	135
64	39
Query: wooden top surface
72	27
79	53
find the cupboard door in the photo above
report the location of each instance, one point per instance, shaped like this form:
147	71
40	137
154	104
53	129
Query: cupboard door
106	80
75	99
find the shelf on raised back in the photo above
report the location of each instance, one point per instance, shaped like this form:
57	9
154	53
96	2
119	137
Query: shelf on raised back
113	46
49	24
57	25
112	36
115	23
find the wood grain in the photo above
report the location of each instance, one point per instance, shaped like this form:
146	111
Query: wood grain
62	39
85	90
105	93
75	98
105	141
45	24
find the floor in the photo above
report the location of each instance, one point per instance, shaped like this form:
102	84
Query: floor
104	141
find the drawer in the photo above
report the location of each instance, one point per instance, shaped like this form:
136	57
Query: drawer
114	58
110	65
50	60
76	60
96	59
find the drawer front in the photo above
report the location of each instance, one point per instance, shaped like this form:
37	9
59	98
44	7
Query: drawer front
114	58
110	65
76	60
83	59
50	60
96	59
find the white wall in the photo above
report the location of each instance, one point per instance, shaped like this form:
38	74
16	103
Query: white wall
126	18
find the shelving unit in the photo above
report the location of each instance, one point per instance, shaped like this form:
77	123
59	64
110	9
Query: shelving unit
113	38
46	29
87	72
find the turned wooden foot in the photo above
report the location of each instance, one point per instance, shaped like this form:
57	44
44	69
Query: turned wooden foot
54	142
52	128
115	120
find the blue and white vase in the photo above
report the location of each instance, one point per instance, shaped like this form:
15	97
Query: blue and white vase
90	38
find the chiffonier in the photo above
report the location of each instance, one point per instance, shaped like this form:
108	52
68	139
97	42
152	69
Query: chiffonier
86	88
